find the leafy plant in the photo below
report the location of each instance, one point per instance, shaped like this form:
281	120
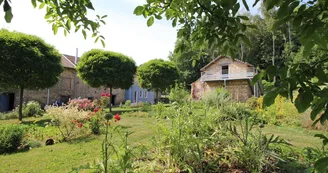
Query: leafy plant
11	137
179	94
127	104
33	108
68	120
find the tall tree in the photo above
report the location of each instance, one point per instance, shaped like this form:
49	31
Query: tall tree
27	62
157	75
99	68
68	15
190	58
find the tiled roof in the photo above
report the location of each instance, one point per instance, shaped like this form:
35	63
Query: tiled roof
68	61
220	57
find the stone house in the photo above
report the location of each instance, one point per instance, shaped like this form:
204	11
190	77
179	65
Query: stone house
137	94
69	86
233	75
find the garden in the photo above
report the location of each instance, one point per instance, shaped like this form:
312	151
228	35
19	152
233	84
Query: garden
215	134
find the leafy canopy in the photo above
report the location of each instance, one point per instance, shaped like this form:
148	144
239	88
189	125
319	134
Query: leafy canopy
68	15
27	62
157	74
100	68
219	23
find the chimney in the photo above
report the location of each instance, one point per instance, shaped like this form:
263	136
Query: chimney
76	56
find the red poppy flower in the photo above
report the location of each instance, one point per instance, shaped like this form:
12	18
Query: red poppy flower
117	117
79	125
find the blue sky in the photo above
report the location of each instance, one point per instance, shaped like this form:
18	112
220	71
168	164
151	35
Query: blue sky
124	32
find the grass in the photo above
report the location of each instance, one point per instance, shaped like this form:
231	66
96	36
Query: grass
62	157
297	136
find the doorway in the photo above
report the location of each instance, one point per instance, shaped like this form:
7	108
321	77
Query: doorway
135	97
11	101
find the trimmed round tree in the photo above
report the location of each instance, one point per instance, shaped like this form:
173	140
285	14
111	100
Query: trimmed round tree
100	68
27	62
157	75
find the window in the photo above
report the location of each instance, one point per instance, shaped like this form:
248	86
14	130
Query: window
140	94
145	94
225	69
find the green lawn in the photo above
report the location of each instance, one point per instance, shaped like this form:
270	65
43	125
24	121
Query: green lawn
61	157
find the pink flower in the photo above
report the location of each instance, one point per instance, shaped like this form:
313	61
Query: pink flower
105	95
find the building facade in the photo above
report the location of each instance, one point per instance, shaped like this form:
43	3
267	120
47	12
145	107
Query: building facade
69	86
137	94
233	75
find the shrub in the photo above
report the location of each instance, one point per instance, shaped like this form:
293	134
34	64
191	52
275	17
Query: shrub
179	94
33	108
218	97
95	123
281	112
253	103
82	104
146	107
68	120
11	137
127	104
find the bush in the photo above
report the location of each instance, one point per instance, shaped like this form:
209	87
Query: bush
127	104
33	108
82	104
68	120
218	97
146	107
11	137
281	112
179	94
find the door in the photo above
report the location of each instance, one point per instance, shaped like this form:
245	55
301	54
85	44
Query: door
135	96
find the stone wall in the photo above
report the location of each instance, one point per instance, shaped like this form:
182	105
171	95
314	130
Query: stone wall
240	89
69	86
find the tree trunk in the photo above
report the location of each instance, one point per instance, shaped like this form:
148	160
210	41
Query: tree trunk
110	98
156	98
20	118
273	54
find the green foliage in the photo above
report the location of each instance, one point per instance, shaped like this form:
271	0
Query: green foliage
64	14
146	107
11	137
33	108
127	104
157	75
218	97
29	72
108	69
68	120
179	94
190	57
138	114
